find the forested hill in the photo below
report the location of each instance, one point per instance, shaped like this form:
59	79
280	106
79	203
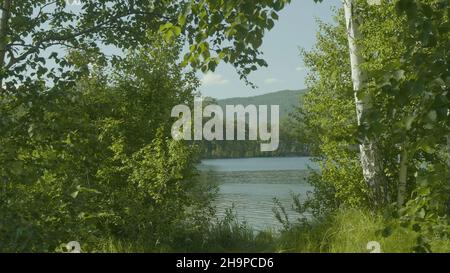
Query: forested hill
287	99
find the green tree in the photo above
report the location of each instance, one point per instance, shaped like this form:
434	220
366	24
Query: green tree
231	31
409	114
327	116
87	163
370	153
31	32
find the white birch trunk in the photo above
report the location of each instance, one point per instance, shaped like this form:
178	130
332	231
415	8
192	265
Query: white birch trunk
371	160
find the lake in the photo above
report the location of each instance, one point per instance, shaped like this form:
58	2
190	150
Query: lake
252	183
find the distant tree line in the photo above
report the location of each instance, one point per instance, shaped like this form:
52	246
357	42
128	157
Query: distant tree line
289	145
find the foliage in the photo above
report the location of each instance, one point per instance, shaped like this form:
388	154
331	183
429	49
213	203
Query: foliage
88	156
39	29
87	163
401	116
409	113
329	123
424	214
231	31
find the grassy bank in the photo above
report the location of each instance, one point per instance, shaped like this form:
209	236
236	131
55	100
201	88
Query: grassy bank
350	231
344	231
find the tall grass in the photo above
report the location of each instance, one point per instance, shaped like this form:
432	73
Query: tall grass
349	231
226	234
346	231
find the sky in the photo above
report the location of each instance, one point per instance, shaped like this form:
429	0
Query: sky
295	29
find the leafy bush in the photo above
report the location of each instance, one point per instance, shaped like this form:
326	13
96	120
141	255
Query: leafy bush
93	162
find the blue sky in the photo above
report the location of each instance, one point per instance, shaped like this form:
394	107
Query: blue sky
295	29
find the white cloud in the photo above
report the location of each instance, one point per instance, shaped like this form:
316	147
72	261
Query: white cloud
300	68
211	78
271	80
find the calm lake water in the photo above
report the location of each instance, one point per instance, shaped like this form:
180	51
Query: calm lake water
252	183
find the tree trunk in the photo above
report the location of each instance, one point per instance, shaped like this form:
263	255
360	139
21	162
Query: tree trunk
448	168
448	159
6	13
402	176
371	159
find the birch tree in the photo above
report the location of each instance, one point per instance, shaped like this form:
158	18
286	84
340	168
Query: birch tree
371	157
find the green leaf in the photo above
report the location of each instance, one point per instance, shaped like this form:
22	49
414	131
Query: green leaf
432	115
165	27
74	194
